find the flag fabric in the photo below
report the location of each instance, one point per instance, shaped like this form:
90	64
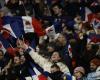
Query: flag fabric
51	33
95	23
27	24
87	12
38	27
39	75
33	75
2	47
8	27
14	25
4	44
5	33
93	38
28	78
70	50
84	12
18	25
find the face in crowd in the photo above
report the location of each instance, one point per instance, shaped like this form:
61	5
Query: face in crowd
54	68
62	39
55	57
94	64
57	10
18	60
89	46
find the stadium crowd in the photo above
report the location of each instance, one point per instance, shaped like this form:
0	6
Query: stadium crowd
49	39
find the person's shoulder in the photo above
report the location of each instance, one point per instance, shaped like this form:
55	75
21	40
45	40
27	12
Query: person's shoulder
98	69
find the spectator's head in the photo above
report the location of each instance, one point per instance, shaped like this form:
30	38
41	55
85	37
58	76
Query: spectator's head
89	46
22	59
54	68
21	51
1	54
62	39
51	47
78	19
56	74
55	57
16	60
57	9
79	72
94	63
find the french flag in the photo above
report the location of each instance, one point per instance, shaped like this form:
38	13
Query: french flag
14	25
70	51
2	47
21	25
27	24
33	75
36	74
96	23
94	38
87	12
51	33
31	24
4	44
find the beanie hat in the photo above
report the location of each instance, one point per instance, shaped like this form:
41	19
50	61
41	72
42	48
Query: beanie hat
79	69
96	61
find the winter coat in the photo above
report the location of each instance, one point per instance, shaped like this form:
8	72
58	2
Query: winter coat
45	63
94	75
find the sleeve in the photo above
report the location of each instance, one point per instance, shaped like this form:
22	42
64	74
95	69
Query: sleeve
42	62
63	68
94	75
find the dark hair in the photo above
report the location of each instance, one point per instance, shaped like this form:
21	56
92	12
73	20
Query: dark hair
57	4
58	53
55	65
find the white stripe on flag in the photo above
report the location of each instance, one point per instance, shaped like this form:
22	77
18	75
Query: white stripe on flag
87	12
2	47
28	78
70	50
35	77
36	71
8	27
27	23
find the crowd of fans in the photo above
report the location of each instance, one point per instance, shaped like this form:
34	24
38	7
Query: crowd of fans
69	47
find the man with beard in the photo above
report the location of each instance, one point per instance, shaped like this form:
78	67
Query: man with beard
95	69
